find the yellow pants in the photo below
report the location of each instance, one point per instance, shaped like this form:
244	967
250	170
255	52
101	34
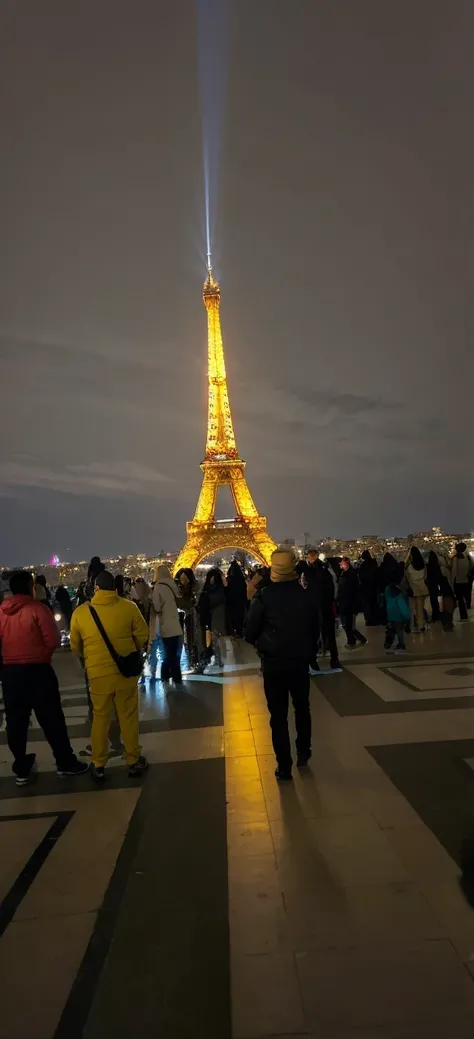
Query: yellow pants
123	693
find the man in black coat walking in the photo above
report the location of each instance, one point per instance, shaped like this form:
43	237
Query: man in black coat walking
349	602
320	591
279	625
368	580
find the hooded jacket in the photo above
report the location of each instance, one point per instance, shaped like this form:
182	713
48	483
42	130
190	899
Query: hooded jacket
28	633
367	574
390	570
122	622
398	608
165	598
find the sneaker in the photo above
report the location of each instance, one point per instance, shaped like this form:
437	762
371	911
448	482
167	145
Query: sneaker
78	768
24	779
87	752
98	774
138	768
302	760
283	774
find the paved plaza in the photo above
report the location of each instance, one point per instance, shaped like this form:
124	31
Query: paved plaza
207	901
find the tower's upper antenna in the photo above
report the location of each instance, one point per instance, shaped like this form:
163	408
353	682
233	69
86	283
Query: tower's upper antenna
209	263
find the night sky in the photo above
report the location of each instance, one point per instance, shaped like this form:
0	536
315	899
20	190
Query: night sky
343	244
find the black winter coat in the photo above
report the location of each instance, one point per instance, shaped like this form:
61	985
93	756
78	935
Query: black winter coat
279	622
319	584
348	592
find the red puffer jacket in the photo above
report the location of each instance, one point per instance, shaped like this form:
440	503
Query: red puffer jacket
28	633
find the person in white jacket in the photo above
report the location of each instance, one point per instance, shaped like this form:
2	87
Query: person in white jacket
415	573
165	597
461	568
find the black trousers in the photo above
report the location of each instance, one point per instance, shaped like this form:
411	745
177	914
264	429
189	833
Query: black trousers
352	635
27	688
280	681
371	607
463	598
395	628
237	611
433	592
189	630
314	635
328	632
170	667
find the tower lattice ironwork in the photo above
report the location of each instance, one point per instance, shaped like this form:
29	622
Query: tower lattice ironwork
222	465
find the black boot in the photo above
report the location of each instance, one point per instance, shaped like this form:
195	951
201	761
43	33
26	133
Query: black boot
283	774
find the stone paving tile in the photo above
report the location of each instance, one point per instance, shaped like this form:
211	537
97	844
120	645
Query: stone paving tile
239	744
248	839
18	840
338	918
385	985
354	849
265	995
39	960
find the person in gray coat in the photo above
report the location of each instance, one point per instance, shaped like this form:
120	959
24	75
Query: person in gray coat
165	598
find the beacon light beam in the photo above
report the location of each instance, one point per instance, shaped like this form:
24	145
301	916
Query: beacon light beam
222	465
213	39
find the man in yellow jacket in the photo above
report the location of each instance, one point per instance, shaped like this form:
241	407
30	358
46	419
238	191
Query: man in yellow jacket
127	631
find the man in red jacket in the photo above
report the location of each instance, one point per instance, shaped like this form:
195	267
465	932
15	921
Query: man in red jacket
28	639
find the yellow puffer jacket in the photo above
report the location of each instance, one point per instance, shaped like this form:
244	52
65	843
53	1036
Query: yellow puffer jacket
123	623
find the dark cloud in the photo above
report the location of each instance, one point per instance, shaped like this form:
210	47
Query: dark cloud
343	244
346	404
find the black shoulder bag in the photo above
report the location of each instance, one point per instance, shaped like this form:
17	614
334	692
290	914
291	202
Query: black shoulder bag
129	666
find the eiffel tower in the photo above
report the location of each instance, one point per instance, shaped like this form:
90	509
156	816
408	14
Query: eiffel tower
222	465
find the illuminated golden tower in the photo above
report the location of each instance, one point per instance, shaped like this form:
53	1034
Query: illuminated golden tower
222	465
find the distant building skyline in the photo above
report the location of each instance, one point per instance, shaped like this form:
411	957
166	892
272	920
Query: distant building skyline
133	563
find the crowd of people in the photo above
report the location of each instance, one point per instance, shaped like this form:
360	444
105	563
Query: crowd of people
290	612
294	616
